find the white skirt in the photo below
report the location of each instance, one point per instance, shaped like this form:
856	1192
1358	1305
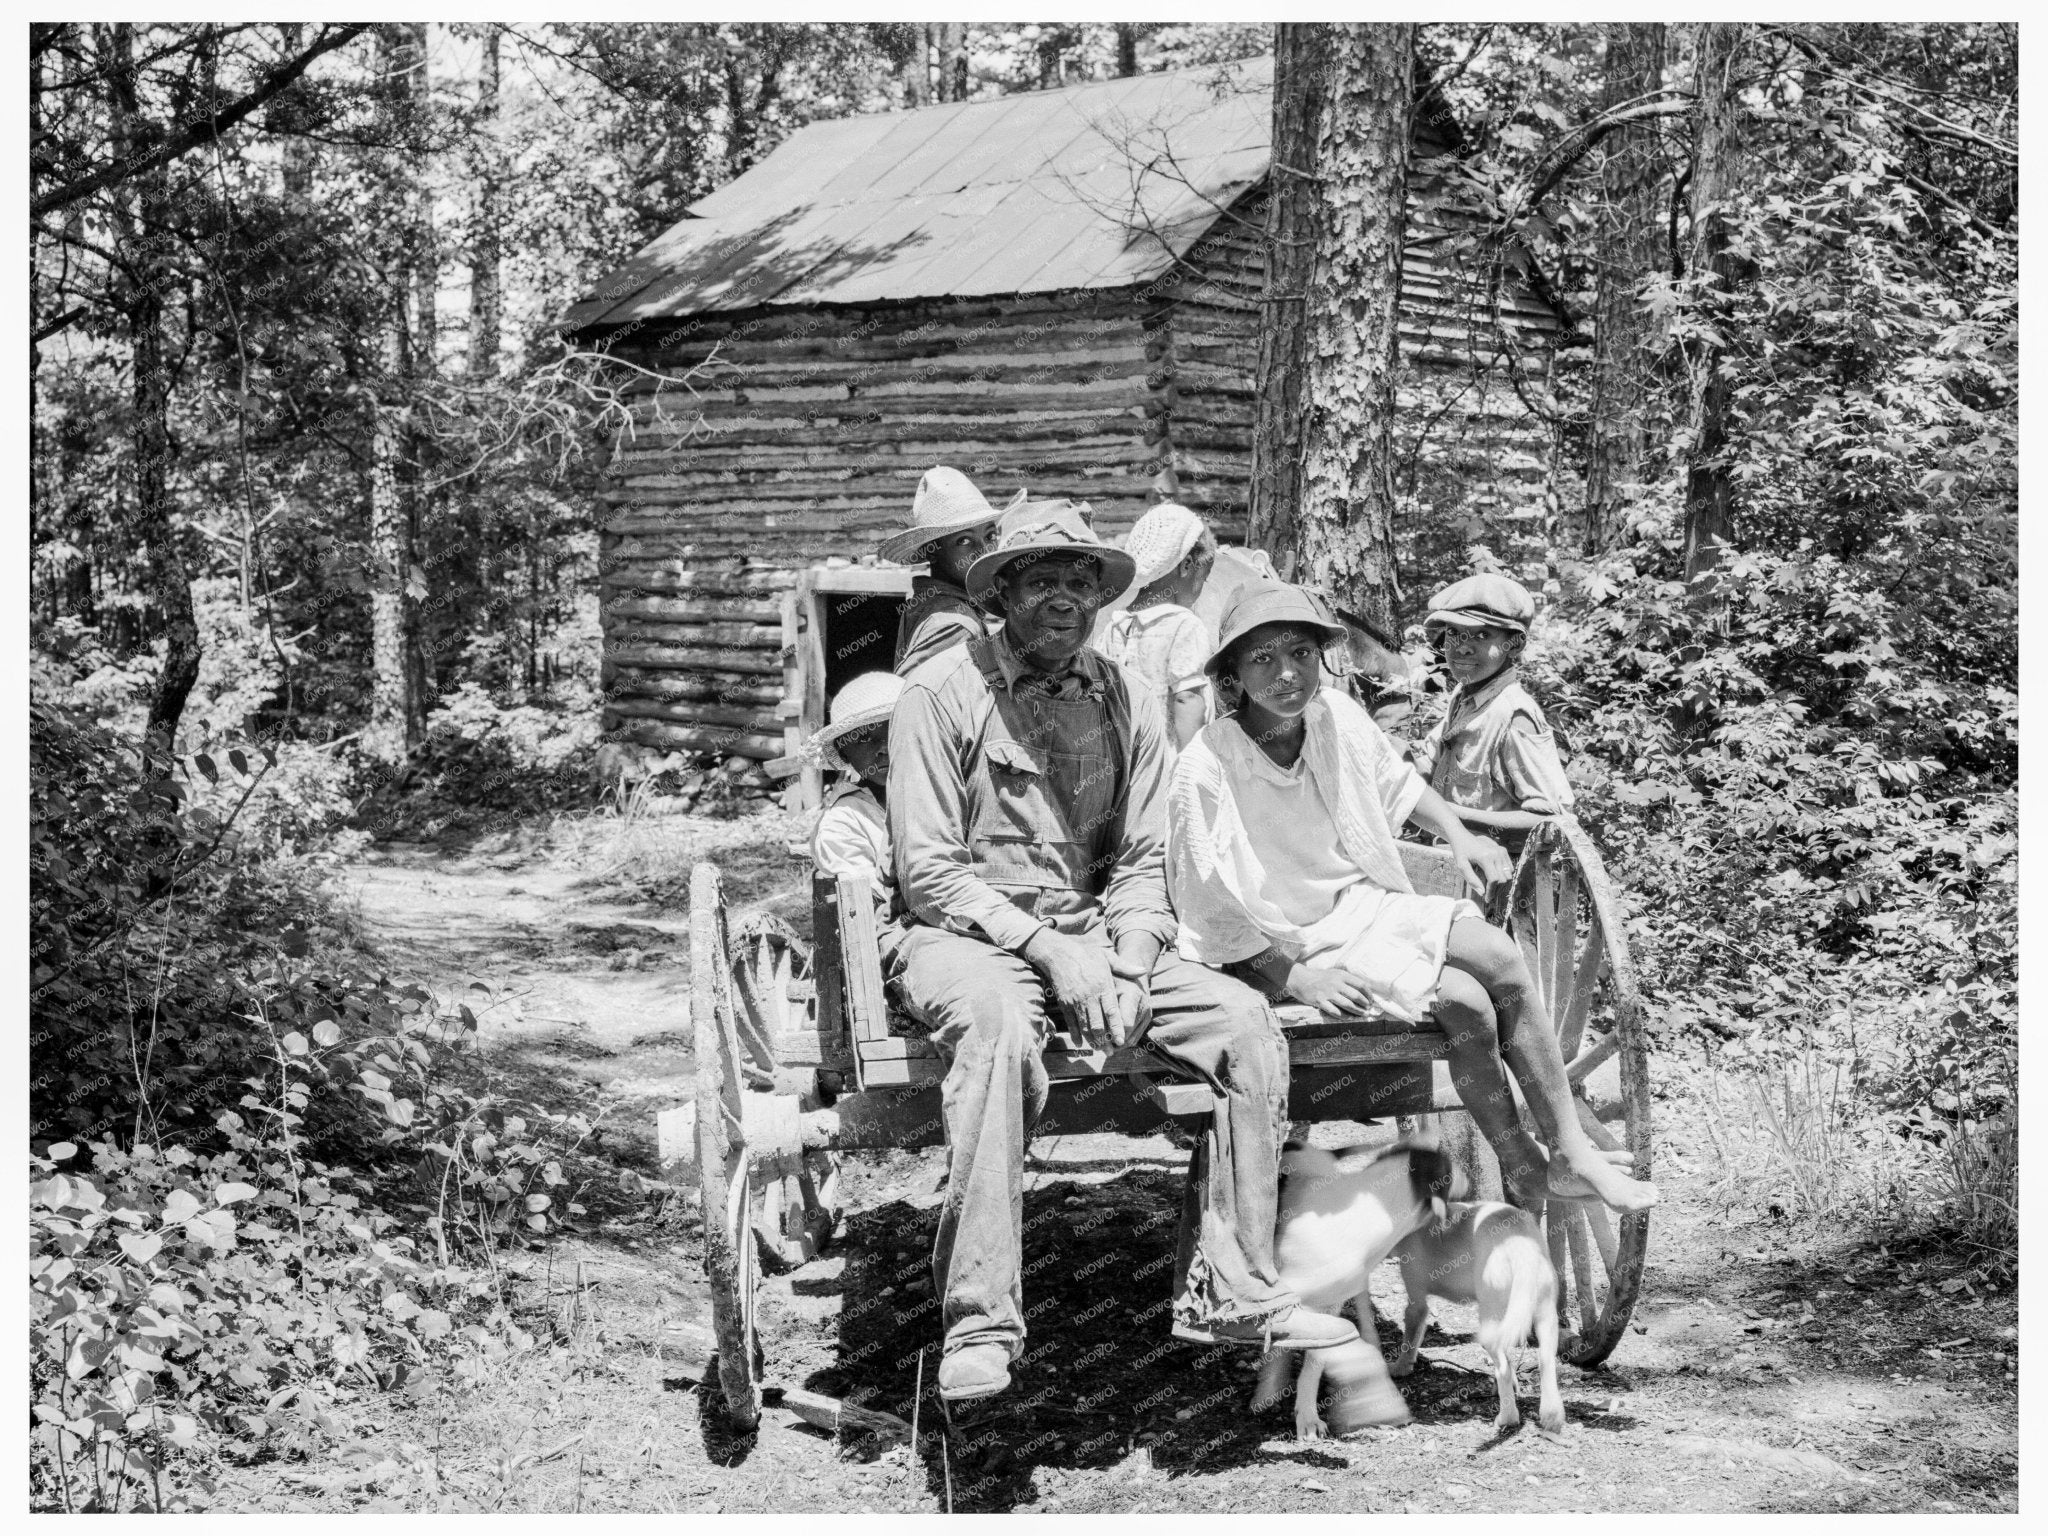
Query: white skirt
1395	940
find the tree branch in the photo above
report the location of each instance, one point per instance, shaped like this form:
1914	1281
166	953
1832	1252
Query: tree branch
201	130
1573	147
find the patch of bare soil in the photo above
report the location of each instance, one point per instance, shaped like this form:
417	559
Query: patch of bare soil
1771	1368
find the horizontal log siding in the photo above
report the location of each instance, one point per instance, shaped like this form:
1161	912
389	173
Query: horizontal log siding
1463	433
805	440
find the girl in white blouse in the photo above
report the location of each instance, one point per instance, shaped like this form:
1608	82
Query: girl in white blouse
1283	869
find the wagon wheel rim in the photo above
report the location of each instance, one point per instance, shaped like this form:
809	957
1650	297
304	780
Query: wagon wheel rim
796	1209
1563	914
725	1171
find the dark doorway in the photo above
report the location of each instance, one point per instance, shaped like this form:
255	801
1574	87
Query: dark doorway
859	632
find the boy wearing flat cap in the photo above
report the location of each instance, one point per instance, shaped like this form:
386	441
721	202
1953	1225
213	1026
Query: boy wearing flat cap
1493	756
950	525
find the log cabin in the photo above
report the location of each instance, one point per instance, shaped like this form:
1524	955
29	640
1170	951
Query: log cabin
1056	290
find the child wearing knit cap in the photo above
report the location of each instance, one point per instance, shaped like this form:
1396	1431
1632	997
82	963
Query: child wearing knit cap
1154	631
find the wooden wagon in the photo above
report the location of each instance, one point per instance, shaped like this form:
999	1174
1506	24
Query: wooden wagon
801	1055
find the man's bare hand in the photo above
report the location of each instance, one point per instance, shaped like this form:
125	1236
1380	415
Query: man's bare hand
1131	1013
1079	976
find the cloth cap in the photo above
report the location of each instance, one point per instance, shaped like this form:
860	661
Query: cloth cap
868	700
1046	527
947	503
1481	601
1275	602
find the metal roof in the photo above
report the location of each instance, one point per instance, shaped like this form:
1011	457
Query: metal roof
1093	186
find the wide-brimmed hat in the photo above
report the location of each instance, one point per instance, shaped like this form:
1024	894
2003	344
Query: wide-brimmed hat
1046	528
868	700
947	503
1490	600
1271	602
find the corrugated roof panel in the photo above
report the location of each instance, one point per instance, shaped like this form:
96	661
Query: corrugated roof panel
930	167
797	167
1094	186
863	267
1029	138
857	177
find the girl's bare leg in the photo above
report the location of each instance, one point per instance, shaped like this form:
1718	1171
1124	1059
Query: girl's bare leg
1467	1019
1529	1044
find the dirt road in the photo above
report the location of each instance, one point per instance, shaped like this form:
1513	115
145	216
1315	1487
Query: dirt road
1770	1367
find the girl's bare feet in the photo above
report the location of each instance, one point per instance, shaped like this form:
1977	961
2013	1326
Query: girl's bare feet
1585	1165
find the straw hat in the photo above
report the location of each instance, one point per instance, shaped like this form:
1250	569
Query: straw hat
947	503
868	700
1046	527
1478	602
1259	603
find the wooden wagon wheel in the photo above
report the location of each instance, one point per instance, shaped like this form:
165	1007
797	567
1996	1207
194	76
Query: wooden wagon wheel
796	1209
724	1170
1562	912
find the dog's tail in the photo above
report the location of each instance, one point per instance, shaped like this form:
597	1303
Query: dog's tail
1523	1271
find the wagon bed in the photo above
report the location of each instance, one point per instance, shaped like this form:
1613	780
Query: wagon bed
800	1054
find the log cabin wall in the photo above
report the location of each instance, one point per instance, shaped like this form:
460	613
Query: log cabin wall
1469	447
815	426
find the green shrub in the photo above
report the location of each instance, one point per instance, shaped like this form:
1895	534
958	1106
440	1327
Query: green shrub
188	1306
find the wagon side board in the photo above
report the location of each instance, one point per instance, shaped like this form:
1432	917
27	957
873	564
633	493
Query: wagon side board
911	1118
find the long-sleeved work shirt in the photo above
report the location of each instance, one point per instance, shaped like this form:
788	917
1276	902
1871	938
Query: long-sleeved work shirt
1019	800
936	615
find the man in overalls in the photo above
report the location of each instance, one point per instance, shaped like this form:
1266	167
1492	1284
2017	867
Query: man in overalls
1027	821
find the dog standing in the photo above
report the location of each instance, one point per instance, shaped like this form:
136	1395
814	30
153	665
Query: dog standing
1491	1255
1341	1214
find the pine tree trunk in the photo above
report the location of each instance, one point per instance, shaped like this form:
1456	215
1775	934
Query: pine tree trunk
424	256
386	736
1709	488
396	712
1300	55
487	245
422	358
139	224
295	150
1628	242
952	61
1126	48
1346	528
916	67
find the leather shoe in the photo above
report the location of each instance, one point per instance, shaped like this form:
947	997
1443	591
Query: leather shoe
1294	1327
973	1370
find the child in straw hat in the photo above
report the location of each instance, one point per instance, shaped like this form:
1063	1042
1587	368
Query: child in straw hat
950	525
852	834
1154	631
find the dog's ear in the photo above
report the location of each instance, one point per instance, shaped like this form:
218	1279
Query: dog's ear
1442	1179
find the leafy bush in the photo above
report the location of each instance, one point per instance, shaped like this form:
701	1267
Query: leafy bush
187	1306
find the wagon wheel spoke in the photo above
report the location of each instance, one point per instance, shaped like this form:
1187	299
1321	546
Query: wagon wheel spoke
1594	1056
1603	1234
1580	1241
1554	1240
796	1206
